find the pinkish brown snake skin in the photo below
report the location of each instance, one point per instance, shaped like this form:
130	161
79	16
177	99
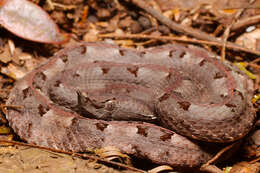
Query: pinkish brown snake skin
183	88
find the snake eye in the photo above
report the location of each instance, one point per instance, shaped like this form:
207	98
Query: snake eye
110	105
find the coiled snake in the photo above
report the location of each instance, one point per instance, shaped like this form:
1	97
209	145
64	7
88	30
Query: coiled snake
182	88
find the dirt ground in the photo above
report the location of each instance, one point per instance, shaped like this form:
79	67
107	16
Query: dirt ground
129	23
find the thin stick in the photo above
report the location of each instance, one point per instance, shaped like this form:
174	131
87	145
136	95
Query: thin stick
186	40
184	29
216	157
246	22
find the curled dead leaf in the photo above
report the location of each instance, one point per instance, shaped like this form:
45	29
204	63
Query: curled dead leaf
112	153
27	20
160	169
245	167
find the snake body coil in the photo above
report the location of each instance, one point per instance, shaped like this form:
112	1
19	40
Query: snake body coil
184	89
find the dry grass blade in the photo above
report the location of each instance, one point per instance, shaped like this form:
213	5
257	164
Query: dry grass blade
172	38
160	169
241	66
187	30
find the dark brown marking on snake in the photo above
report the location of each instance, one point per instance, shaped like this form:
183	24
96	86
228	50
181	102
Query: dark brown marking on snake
42	76
57	83
101	126
239	93
165	96
202	62
36	85
230	105
184	105
142	53
76	75
219	75
142	131
182	54
105	70
26	93
166	136
133	70
83	49
121	52
42	110
171	53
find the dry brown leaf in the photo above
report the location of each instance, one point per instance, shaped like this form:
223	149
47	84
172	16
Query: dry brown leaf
27	20
33	160
5	55
13	71
250	40
4	130
245	167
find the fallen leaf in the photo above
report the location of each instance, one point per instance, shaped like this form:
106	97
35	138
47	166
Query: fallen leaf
244	167
27	20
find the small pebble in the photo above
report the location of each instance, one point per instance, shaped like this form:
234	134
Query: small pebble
144	22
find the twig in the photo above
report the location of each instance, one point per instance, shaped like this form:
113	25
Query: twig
256	60
210	169
254	65
50	3
228	29
245	22
75	154
227	32
183	29
217	156
255	160
225	37
186	40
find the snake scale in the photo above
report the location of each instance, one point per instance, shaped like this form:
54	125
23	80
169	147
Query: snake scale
142	102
